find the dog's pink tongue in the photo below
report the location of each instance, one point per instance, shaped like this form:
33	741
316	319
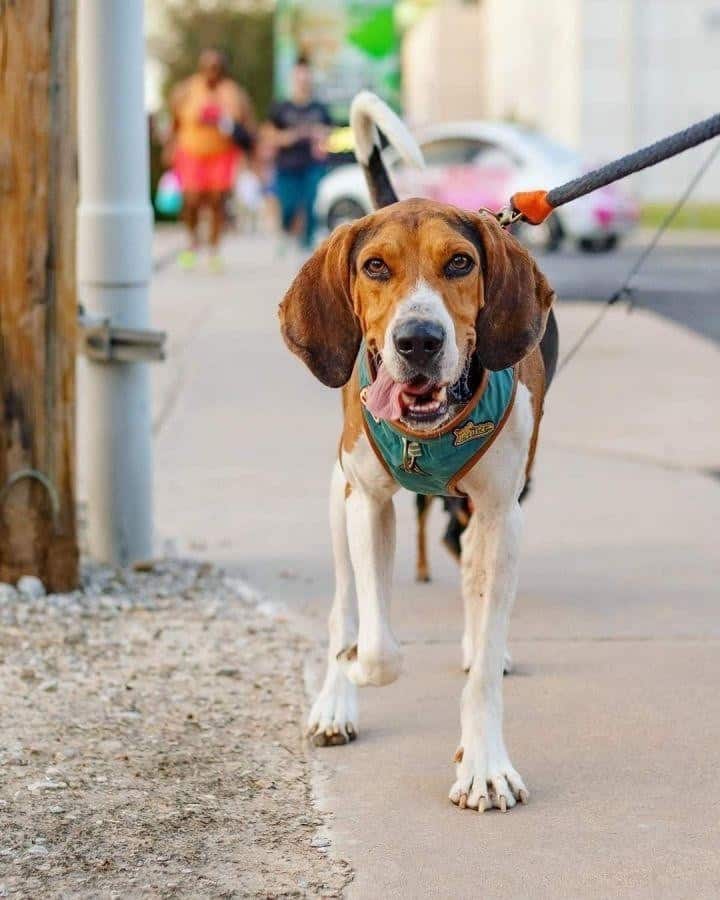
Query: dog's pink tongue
382	398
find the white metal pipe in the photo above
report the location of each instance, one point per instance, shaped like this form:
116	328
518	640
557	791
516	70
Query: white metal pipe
114	267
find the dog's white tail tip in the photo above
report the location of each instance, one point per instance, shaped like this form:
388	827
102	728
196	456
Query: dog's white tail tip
368	112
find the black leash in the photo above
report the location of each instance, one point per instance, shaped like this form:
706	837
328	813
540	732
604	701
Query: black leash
625	290
665	224
536	206
636	162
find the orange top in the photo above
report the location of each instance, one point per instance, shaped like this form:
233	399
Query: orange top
190	99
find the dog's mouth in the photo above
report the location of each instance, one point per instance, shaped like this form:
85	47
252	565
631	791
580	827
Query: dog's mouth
423	401
420	401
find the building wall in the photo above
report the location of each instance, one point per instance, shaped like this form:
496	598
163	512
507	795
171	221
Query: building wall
534	56
444	75
603	76
650	67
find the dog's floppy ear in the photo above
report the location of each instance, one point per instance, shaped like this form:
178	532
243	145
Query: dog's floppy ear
517	298
317	318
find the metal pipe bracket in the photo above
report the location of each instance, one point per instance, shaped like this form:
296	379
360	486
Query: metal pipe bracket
101	341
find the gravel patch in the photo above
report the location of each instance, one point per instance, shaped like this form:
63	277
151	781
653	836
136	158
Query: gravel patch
152	742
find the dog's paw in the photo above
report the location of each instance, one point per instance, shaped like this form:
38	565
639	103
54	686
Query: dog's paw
484	782
372	668
333	718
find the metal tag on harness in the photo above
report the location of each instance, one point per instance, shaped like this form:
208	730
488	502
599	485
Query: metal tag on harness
412	451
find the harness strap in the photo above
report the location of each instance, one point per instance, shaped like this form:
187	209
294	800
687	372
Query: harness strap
432	463
462	472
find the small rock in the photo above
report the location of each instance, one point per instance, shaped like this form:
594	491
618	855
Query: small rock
57	810
319	842
37	850
68	753
47	785
13	758
75	636
49	686
228	671
8	594
30	586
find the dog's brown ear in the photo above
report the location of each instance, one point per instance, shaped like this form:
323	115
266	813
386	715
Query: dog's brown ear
517	298
317	318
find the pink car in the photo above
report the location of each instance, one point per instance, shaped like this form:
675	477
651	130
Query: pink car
481	164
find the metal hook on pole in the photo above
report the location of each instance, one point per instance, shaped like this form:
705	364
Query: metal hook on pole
35	475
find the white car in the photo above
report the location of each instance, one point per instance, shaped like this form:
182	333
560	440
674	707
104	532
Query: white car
481	164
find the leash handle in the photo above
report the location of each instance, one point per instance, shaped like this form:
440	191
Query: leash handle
536	206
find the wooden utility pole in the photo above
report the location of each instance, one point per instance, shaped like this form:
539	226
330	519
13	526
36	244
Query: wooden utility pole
38	307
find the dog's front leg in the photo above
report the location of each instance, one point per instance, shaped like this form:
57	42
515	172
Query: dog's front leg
371	535
334	714
475	593
485	775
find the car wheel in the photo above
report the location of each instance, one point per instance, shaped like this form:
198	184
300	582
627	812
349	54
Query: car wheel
598	245
344	210
544	238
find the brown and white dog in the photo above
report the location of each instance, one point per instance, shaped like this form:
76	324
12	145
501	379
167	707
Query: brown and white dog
437	294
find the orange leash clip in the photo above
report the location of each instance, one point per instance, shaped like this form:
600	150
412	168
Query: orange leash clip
533	206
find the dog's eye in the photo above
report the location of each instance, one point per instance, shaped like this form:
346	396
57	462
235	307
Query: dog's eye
460	264
376	268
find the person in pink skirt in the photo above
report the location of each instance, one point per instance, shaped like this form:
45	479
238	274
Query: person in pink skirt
206	109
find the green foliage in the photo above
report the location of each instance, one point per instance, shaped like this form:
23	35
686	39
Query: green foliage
243	31
704	216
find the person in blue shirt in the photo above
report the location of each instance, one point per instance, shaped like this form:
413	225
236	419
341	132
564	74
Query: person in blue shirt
299	129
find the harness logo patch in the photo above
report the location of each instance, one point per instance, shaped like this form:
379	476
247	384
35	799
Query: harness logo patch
471	431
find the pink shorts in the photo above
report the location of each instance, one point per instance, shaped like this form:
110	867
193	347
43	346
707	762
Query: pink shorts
202	174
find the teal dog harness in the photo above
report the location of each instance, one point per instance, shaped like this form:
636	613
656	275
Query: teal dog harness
433	463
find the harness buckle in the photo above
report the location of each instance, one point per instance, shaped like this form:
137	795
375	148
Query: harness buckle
508	216
412	451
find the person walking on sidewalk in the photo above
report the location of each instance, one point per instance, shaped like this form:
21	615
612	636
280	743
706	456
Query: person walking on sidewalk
299	128
205	156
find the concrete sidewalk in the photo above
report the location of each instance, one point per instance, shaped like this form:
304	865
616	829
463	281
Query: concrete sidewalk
612	717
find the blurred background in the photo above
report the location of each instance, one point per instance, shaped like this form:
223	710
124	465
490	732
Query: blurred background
503	95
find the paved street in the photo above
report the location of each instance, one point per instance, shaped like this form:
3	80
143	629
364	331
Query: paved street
612	716
680	280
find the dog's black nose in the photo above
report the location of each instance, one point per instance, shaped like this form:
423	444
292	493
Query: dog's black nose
419	340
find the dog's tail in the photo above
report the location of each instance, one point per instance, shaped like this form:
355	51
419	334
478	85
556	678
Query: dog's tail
368	113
